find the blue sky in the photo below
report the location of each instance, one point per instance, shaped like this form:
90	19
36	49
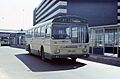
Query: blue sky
17	14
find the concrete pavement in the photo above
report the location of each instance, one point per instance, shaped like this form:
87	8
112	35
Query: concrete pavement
17	64
105	59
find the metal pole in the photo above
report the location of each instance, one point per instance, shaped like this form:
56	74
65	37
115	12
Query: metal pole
92	39
103	41
117	41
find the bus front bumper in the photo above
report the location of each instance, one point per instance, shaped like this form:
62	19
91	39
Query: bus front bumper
49	56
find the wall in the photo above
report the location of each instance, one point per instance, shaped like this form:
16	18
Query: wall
97	12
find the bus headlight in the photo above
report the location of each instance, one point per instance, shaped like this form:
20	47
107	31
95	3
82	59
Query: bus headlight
57	51
84	50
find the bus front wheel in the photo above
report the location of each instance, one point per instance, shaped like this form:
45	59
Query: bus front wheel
42	54
29	49
74	59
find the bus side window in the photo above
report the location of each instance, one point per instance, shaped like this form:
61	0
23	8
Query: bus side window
26	33
42	33
38	32
35	32
32	32
48	31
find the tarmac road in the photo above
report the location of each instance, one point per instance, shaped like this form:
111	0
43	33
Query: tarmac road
17	64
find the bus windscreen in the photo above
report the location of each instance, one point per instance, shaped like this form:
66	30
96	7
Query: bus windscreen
76	32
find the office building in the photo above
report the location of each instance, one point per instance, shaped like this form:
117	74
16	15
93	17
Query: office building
97	12
49	9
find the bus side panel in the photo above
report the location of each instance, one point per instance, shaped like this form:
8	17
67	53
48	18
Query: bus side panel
36	45
47	48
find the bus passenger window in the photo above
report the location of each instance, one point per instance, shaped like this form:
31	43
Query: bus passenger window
48	32
42	34
38	32
35	32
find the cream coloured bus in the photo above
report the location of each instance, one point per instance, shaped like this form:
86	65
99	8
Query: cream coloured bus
61	37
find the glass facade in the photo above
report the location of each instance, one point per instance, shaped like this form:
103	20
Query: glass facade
97	38
111	37
105	38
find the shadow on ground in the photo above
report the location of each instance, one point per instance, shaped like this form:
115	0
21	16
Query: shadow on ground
35	64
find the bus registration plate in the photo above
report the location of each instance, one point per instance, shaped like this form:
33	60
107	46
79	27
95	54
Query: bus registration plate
71	50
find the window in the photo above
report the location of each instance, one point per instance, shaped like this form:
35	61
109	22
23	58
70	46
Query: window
91	35
78	33
61	31
82	34
98	38
38	34
48	33
111	37
68	31
27	34
35	32
74	32
30	33
42	34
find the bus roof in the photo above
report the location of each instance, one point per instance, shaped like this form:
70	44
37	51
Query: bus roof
69	18
64	19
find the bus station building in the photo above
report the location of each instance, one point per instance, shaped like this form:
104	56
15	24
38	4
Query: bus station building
14	38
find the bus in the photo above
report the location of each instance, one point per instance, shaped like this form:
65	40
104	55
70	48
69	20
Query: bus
60	37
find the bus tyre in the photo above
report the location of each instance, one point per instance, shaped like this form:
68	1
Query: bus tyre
42	54
73	59
29	49
26	47
87	56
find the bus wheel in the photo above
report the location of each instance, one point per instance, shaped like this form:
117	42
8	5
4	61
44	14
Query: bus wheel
87	56
29	49
74	59
42	54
